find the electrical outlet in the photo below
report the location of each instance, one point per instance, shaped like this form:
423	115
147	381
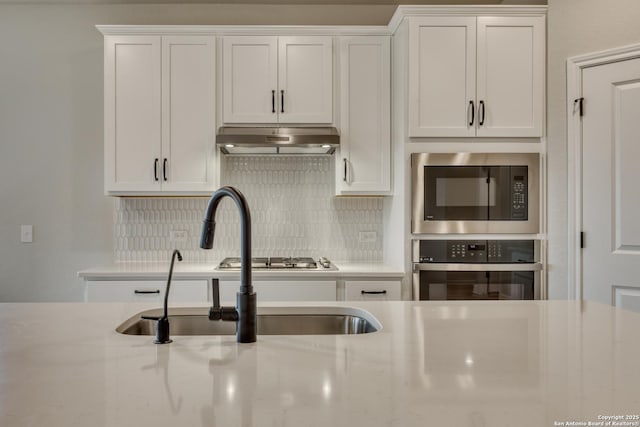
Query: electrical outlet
26	233
178	235
367	236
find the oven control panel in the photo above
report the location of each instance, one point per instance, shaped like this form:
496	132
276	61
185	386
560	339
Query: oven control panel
519	188
475	251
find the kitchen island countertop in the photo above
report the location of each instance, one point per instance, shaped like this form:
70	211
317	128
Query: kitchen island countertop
533	363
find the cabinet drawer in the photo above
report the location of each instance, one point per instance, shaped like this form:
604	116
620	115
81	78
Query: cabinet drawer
283	290
145	291
365	290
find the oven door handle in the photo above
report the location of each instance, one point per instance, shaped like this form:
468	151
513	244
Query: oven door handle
535	266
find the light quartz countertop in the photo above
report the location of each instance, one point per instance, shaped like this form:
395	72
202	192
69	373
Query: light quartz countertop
157	270
476	364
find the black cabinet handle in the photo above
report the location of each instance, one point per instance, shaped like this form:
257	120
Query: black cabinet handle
155	169
273	101
373	292
473	112
344	175
282	101
137	291
164	169
481	113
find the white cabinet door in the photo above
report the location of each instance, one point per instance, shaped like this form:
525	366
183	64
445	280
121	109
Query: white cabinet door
510	76
145	291
250	79
188	114
305	79
364	163
369	290
268	79
132	113
282	290
442	64
159	115
476	76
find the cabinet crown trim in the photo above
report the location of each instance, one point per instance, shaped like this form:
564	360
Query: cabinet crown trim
473	10
245	30
335	30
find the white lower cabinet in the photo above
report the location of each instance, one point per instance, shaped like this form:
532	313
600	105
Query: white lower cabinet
367	290
146	291
282	290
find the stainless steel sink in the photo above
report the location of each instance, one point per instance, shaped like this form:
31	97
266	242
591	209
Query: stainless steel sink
271	321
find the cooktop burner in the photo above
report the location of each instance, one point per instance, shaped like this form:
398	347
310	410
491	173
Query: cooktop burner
277	263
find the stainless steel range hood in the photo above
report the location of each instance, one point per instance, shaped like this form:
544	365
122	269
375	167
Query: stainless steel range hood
277	140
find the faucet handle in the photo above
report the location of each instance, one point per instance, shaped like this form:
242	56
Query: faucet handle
223	313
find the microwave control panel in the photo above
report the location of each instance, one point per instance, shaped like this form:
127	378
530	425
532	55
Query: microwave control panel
476	251
519	188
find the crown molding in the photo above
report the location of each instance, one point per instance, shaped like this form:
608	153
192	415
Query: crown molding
218	30
398	17
483	10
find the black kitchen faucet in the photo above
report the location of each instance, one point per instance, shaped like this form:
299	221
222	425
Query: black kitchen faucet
245	310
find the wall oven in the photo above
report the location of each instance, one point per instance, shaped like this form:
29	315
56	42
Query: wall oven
475	193
476	270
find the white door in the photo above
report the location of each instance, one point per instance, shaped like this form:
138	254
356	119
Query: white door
610	179
442	79
250	79
133	161
305	79
364	163
510	76
188	113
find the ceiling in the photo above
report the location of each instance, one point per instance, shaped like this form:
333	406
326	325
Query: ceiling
289	2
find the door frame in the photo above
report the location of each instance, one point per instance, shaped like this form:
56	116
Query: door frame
575	65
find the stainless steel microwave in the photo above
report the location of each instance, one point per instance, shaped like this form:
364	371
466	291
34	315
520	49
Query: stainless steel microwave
475	193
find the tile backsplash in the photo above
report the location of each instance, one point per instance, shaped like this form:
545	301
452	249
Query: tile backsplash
293	209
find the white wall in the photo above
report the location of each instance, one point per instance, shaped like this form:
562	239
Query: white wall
51	130
574	27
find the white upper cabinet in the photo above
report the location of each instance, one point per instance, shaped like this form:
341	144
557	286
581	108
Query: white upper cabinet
510	76
479	76
268	79
250	74
159	114
364	161
442	65
132	101
188	114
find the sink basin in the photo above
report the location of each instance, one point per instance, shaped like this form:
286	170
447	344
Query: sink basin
271	321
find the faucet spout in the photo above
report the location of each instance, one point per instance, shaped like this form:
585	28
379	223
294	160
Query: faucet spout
246	297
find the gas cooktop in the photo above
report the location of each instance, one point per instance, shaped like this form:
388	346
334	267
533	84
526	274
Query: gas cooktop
272	263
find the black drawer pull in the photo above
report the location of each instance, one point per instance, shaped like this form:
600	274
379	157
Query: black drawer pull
157	291
363	292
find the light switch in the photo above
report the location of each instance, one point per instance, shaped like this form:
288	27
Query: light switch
26	233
